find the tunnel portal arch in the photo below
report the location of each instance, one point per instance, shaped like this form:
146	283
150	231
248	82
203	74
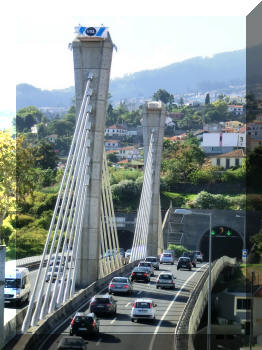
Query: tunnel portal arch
125	238
225	241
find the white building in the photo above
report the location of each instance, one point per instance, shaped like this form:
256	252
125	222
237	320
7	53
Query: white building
223	142
111	145
129	152
115	130
236	109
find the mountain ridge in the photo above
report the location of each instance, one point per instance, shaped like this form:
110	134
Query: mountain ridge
196	74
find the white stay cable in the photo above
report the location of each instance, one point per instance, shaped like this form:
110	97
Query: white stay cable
27	320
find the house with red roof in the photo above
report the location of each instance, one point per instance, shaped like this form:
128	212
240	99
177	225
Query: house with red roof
115	130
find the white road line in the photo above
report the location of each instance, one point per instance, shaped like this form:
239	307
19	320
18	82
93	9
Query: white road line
113	320
127	304
99	341
139	292
169	306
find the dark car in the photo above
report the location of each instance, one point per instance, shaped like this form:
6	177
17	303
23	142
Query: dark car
140	274
103	304
184	262
84	324
192	256
72	343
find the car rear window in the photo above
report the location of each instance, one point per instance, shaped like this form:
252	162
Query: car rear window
142	305
165	277
167	255
184	259
102	300
151	259
120	280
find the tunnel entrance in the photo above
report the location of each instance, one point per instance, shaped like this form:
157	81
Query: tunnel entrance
125	239
225	241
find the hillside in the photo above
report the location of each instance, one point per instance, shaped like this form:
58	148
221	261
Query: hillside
198	74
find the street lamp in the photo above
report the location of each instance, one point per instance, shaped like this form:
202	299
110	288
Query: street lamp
190	212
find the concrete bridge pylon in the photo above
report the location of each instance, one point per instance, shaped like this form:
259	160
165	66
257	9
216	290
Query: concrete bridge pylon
92	55
154	121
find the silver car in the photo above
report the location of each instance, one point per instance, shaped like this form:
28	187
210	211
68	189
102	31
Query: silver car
120	285
165	280
148	265
154	261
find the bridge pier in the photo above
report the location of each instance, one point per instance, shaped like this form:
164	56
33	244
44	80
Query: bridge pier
92	55
154	121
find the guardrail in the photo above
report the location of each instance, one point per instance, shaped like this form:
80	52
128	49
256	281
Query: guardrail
191	316
36	335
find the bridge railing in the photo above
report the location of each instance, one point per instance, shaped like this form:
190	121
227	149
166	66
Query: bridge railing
189	321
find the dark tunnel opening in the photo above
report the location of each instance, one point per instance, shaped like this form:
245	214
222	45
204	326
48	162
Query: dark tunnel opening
125	239
225	241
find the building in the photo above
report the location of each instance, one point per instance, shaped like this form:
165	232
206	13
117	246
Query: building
236	109
115	130
219	143
234	124
129	152
228	160
214	127
111	145
254	129
52	138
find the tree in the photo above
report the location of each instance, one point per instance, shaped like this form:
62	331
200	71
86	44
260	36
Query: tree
112	157
45	155
7	174
181	101
26	117
165	97
207	99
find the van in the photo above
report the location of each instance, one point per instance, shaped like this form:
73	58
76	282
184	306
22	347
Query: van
17	284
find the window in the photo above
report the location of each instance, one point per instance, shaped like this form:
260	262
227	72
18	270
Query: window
243	304
237	162
218	161
227	163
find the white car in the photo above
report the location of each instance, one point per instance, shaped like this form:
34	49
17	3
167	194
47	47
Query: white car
148	265
165	280
167	258
143	309
127	255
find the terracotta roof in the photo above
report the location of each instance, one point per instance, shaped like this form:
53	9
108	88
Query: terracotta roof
236	106
127	148
237	153
112	151
124	161
115	126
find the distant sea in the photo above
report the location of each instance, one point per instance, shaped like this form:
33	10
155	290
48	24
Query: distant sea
6	120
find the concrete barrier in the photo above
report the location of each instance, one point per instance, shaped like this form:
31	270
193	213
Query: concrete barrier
35	335
191	316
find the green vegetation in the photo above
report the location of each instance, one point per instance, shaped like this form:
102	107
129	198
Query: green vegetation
178	250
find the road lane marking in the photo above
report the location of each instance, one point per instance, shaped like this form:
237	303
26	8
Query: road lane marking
113	320
140	292
127	304
99	341
169	306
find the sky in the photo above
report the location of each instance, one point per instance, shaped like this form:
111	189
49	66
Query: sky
148	35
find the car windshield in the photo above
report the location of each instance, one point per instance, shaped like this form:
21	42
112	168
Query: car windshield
142	305
165	277
151	259
72	341
12	283
120	280
102	300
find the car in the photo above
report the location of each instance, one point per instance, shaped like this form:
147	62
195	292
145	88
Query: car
154	261
49	273
103	304
120	285
199	255
165	280
192	257
143	309
86	324
72	343
148	265
140	274
127	255
167	258
184	262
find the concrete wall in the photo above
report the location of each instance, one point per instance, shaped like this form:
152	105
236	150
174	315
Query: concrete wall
2	285
92	57
154	119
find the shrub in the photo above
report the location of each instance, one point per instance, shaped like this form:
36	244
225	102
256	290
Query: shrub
254	202
21	220
205	200
6	229
178	249
48	203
